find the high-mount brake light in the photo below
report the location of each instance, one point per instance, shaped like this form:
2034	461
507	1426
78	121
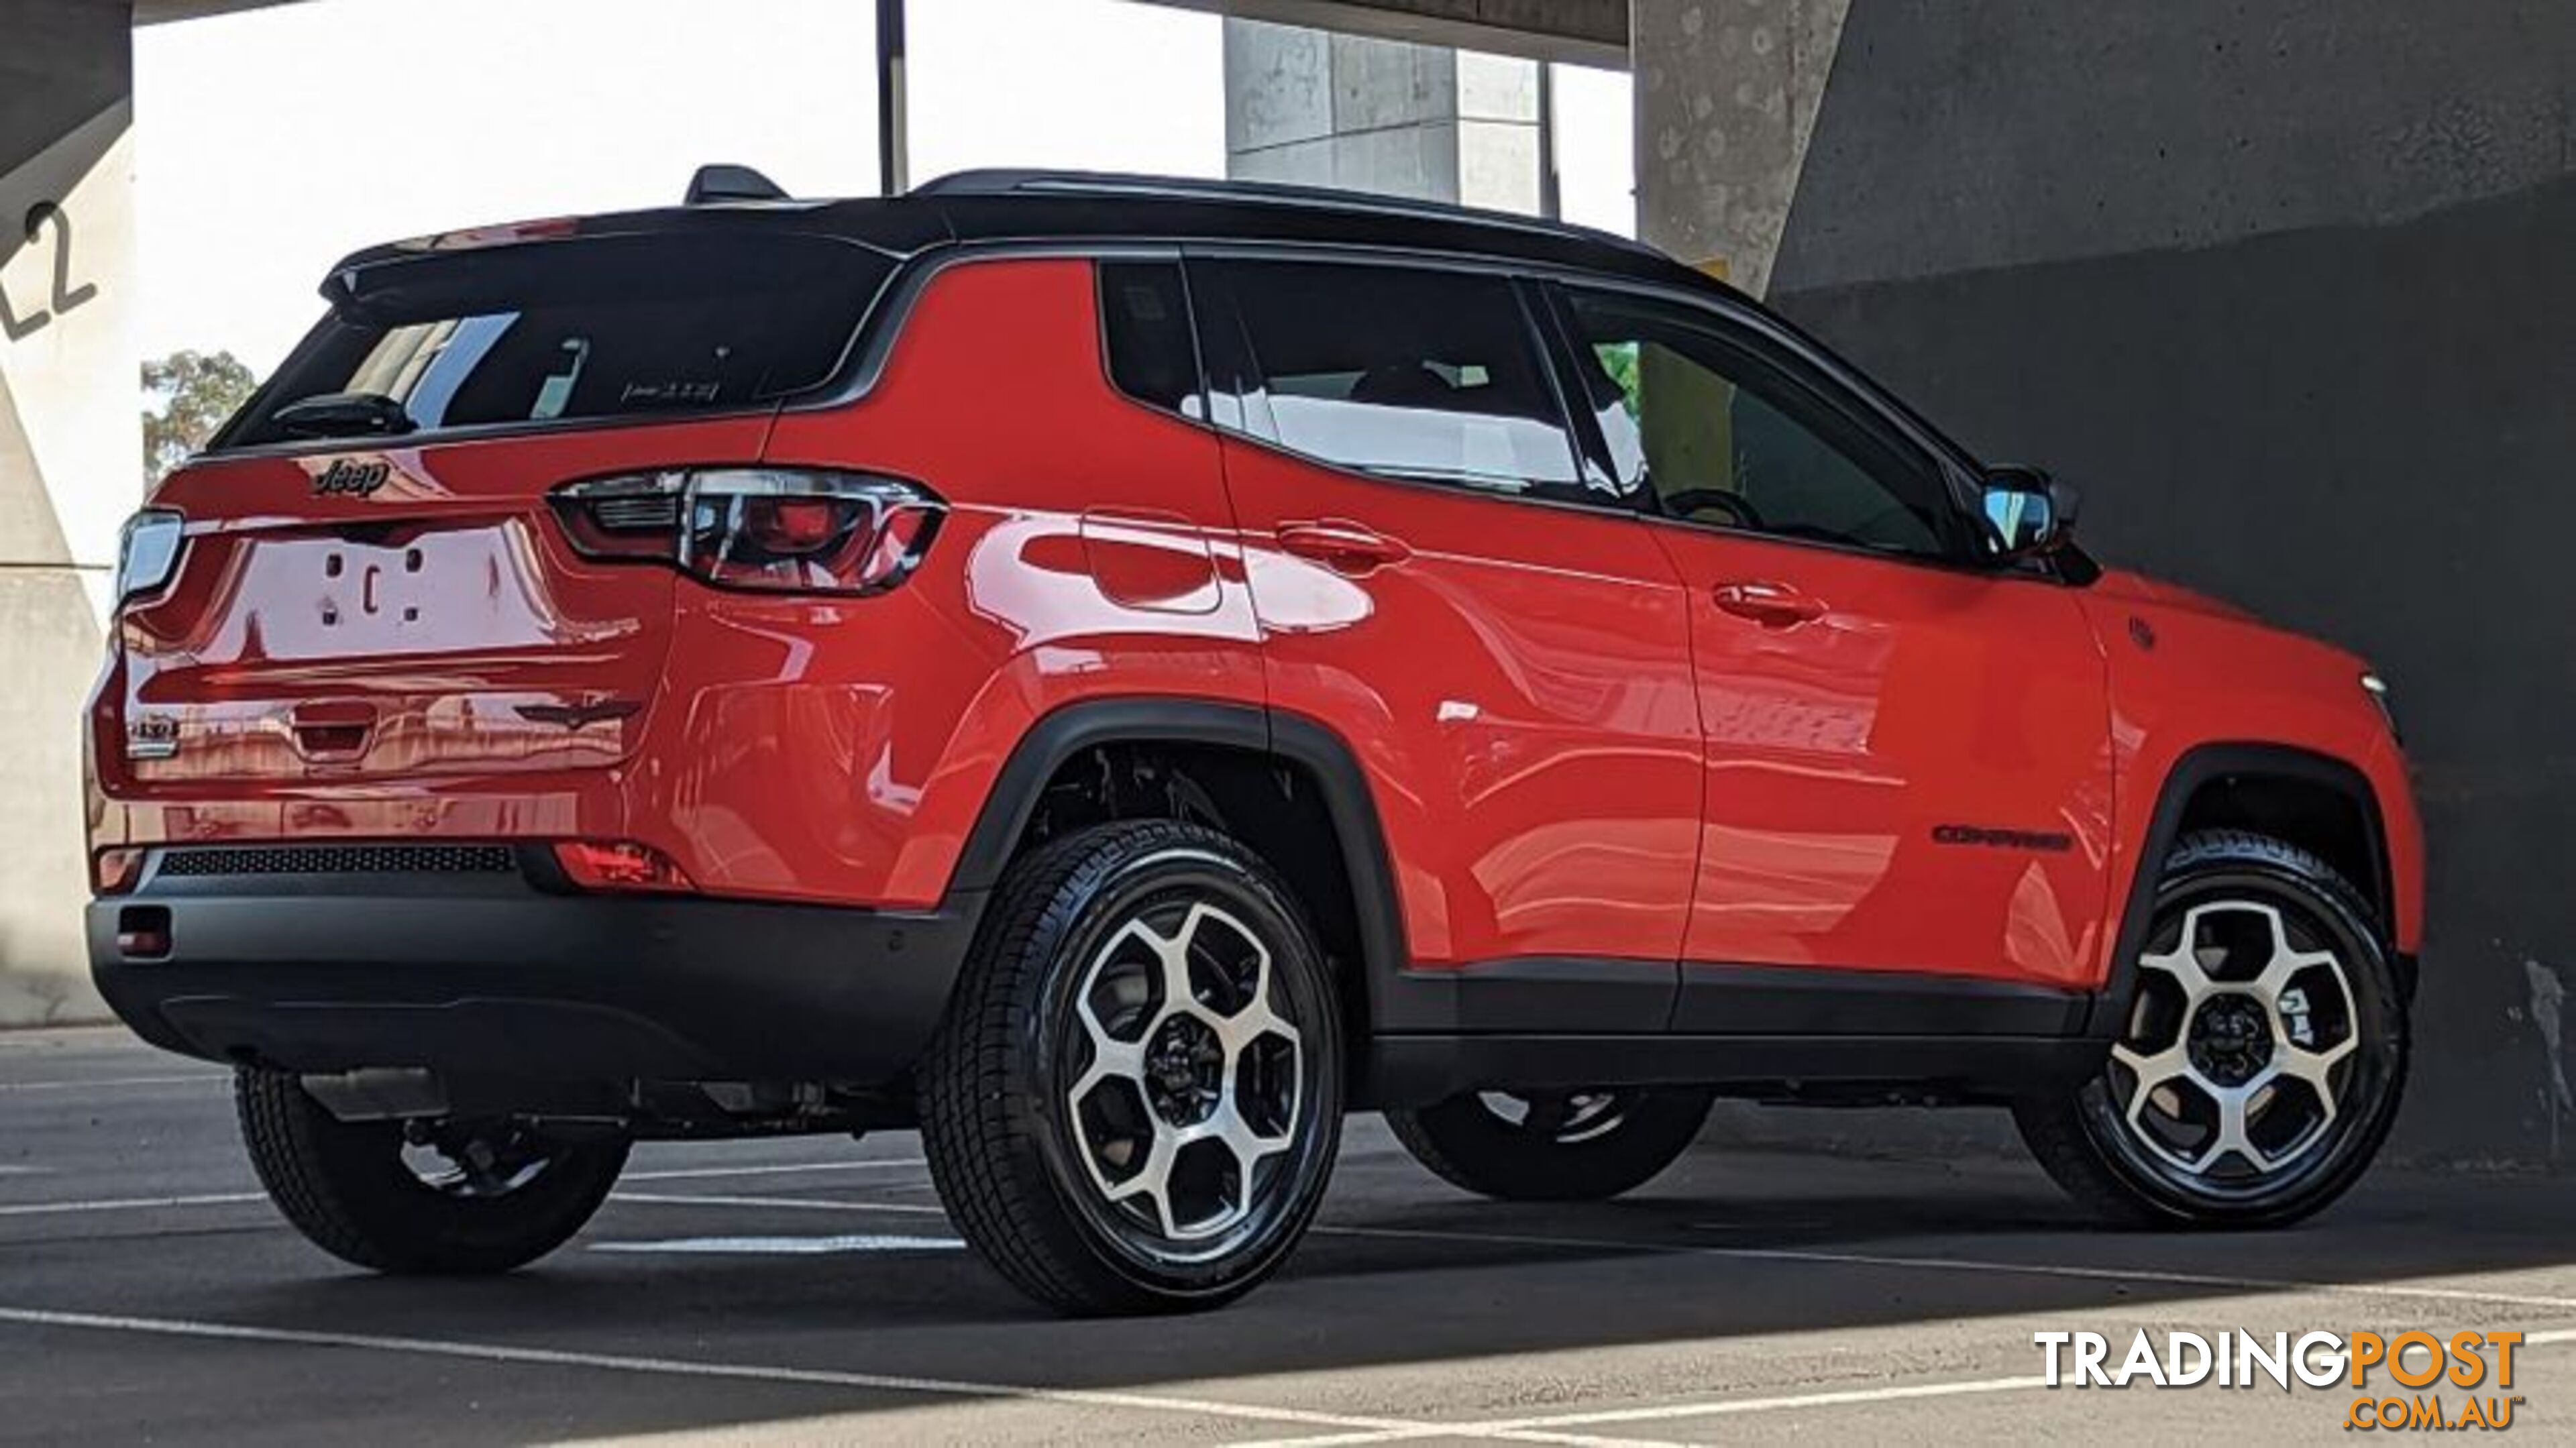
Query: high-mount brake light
778	530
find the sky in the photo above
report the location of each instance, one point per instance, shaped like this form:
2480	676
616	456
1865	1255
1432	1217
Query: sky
272	142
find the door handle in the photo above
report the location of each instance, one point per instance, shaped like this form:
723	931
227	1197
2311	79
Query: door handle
1342	547
1772	605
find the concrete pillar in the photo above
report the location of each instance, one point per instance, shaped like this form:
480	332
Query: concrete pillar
1727	92
1316	108
70	457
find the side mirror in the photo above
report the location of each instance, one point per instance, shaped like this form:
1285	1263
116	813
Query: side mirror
2029	512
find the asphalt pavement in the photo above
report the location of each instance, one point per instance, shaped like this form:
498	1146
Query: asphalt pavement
811	1290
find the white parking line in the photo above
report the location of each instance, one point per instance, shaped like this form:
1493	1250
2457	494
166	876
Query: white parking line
1973	1264
806	1204
1723	1407
109	1081
230	1199
1696	1409
2411	1291
1350	1429
650	1199
695	1173
765	1373
782	1246
128	1204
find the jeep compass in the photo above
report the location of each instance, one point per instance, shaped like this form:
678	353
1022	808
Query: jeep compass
1116	673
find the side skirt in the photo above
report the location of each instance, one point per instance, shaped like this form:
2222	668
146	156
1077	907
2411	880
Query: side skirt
1791	1034
1802	1070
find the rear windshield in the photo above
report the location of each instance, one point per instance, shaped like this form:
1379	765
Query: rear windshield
604	327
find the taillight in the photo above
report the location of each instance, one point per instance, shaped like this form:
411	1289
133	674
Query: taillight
148	552
781	530
619	865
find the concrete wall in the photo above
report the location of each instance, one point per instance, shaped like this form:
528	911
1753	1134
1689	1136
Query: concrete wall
2286	287
1585	32
70	448
1311	107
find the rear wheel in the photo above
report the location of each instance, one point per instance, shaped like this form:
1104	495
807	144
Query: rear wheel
2262	1057
450	1199
1563	1146
1135	1101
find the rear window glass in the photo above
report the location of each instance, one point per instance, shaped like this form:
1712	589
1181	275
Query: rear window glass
598	328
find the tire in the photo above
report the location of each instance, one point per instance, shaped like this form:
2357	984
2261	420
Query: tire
1056	1099
1577	1147
348	1187
2146	1139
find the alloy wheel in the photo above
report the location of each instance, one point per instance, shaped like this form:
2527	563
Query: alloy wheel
2233	1072
1566	1117
473	1163
1189	1079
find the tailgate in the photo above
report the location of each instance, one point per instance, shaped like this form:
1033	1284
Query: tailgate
390	611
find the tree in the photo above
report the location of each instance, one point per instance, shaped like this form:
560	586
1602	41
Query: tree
187	395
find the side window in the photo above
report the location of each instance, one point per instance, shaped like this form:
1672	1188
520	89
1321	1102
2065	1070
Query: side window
1146	318
1721	437
1410	373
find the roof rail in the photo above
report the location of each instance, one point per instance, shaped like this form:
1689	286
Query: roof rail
1000	182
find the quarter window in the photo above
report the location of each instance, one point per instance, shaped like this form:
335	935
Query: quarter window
1147	318
1406	372
1720	436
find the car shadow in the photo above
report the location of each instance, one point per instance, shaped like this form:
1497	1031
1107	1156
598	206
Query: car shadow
1402	1270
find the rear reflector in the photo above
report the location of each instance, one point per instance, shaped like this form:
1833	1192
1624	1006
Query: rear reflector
620	865
113	872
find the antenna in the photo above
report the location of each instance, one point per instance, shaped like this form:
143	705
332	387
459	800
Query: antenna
724	182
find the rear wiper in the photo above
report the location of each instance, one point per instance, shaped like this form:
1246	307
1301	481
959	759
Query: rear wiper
343	414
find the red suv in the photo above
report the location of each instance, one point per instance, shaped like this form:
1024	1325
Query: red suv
1116	673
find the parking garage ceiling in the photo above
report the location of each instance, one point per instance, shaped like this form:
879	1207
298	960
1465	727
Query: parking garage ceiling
1589	32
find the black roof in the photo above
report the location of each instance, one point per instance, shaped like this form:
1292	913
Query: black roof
993	206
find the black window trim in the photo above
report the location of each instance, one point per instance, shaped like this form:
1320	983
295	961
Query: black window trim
1846	380
1863	396
1954	527
1218	351
1844	385
890	314
1546	337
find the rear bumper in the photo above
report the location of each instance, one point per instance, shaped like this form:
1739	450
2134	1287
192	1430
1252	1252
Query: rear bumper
497	976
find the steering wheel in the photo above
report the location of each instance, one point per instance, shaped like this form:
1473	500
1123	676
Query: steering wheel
1695	500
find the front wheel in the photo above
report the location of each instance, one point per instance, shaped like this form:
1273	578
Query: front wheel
2262	1056
1556	1147
1134	1103
444	1199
